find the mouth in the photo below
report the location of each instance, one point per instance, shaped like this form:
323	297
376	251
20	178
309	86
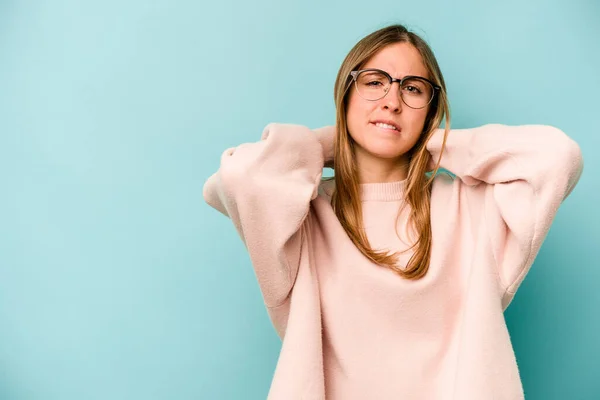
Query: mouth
386	127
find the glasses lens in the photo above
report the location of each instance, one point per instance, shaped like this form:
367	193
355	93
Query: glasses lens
416	93
372	85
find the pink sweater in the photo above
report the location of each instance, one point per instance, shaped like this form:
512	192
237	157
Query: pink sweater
355	330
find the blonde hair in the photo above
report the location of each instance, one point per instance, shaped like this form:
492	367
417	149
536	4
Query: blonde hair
346	195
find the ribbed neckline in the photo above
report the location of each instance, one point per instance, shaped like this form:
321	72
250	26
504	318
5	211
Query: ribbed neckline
386	191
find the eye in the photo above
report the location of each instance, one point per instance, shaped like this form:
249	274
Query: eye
372	80
412	89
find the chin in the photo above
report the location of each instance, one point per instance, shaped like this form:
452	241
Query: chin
385	154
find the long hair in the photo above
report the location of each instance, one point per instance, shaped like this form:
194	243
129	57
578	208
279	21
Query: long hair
345	199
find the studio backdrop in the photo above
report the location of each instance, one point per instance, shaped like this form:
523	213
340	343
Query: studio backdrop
117	281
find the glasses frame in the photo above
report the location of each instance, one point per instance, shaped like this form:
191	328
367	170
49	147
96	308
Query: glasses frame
354	75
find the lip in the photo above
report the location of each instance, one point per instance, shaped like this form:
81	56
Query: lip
387	121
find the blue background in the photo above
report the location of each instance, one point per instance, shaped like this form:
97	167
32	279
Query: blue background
117	281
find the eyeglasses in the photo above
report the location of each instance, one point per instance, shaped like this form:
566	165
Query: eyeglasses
374	84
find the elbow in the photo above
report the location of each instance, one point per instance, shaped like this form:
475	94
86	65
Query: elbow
210	192
574	156
209	189
573	166
567	153
567	160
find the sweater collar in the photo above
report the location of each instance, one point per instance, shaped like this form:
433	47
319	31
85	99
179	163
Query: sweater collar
386	191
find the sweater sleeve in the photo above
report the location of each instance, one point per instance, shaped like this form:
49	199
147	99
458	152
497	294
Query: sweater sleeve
265	188
527	171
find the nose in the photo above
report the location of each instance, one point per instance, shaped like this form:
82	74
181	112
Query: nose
392	99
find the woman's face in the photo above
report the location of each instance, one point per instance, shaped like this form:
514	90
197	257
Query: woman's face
398	60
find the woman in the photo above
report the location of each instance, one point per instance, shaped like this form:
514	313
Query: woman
388	282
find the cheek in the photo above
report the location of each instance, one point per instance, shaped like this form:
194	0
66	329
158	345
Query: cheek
417	118
359	111
354	113
354	107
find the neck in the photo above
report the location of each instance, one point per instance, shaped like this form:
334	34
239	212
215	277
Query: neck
378	170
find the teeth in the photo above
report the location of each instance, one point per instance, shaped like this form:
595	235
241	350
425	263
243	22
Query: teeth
382	125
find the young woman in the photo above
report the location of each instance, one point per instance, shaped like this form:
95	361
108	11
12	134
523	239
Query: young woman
390	280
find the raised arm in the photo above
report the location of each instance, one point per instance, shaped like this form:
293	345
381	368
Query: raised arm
527	171
265	188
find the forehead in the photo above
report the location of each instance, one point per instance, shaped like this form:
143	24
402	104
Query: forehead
398	59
